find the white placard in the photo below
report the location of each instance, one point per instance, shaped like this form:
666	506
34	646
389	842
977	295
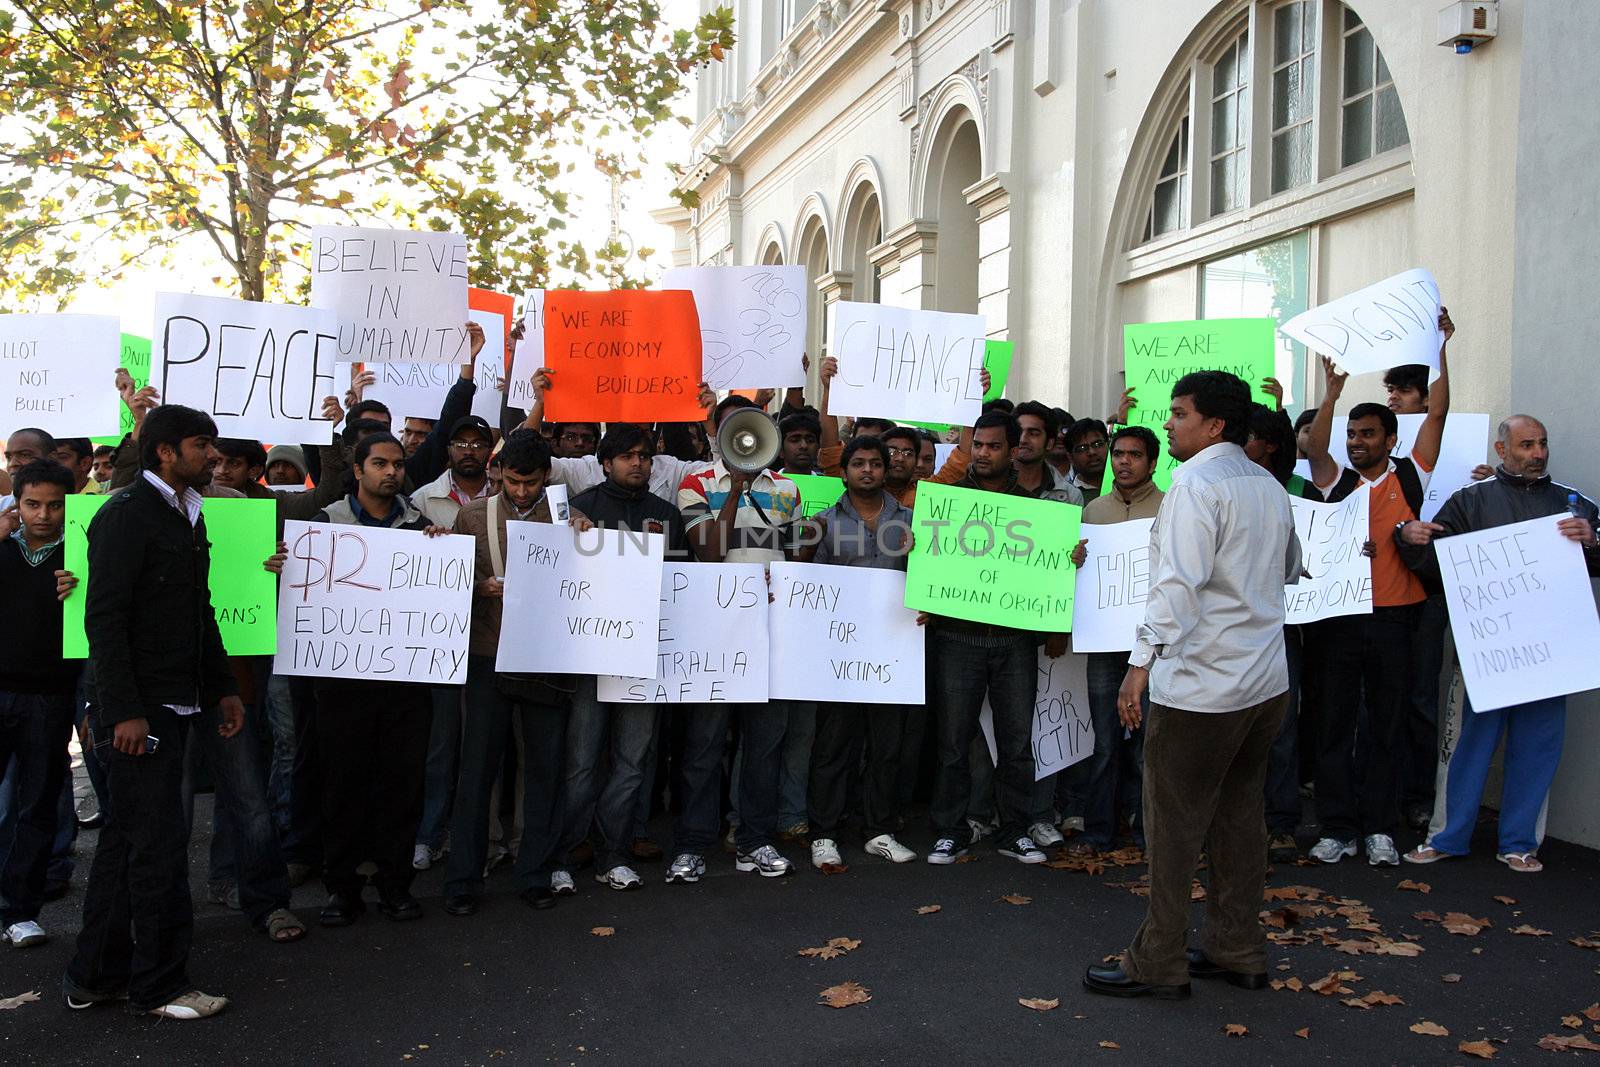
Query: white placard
400	295
1385	325
490	367
375	604
411	390
941	454
59	373
1462	447
1522	611
1063	727
844	634
529	354
752	323
572	603
1112	586
712	640
261	370
1331	536
897	363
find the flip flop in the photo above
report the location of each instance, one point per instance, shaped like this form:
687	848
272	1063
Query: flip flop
1425	854
283	927
1521	862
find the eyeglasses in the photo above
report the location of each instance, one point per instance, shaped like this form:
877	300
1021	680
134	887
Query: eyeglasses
471	445
1097	445
901	453
579	438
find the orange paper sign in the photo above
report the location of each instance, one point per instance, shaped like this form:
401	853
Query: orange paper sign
495	303
629	355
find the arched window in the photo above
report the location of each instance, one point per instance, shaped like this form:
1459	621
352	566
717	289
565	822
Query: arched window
1230	126
1294	93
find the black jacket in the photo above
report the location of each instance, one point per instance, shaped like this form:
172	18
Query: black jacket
1499	501
433	455
152	633
611	507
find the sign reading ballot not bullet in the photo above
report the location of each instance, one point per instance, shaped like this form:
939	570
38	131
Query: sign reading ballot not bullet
56	373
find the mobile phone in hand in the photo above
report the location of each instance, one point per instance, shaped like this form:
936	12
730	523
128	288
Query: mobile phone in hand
151	743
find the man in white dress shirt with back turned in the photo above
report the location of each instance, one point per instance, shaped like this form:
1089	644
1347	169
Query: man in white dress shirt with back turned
1211	651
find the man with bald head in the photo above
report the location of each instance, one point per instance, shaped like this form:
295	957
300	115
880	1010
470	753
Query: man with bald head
1521	489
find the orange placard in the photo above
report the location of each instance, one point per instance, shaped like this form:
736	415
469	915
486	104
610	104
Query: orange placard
628	355
501	304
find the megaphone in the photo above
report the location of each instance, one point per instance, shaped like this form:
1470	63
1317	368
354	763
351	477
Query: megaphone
748	441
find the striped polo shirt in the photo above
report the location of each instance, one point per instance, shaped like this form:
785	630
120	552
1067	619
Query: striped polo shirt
755	539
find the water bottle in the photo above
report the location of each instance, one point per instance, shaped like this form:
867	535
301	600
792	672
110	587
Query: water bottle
1573	507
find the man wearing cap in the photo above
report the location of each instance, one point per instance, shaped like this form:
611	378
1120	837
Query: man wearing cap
286	465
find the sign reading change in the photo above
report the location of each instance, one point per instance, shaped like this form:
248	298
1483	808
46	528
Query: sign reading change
900	363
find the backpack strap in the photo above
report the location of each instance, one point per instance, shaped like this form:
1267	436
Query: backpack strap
497	561
1348	480
1410	484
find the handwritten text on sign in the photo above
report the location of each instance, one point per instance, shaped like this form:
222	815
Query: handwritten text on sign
400	295
1385	325
630	355
572	603
374	603
1522	612
1063	728
261	370
1112	586
712	639
56	373
839	633
528	355
1463	446
752	323
898	363
993	558
1331	536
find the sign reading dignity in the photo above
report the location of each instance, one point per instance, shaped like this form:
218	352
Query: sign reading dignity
630	355
898	363
752	323
58	371
841	634
400	295
1385	325
573	603
1331	536
1522	612
371	603
261	370
1111	586
712	639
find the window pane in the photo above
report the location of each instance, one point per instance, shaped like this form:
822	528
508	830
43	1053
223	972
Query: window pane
1282	90
1286	33
1271	280
1169	208
1357	131
1391	123
1308	28
1306	88
1223	74
1222	171
1291	158
1351	20
1357	63
1222	129
1383	68
1174	160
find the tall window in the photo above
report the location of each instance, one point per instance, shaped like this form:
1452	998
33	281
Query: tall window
1270	280
1294	77
1169	210
1370	117
1230	126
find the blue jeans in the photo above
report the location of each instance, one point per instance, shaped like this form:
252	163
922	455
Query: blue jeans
794	764
439	779
1283	761
1118	762
280	775
483	750
244	842
34	729
580	775
1534	733
1006	669
761	728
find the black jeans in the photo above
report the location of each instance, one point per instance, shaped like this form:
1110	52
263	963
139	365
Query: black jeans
1115	772
1006	669
374	742
842	730
137	916
34	727
1366	657
705	743
1420	733
1283	762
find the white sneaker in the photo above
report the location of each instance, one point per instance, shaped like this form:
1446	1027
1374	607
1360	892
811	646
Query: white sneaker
26	934
980	830
1332	850
422	857
687	869
888	848
561	884
1073	822
618	877
1045	835
1381	851
825	853
765	861
191	1005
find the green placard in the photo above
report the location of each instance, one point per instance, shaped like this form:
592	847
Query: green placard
1156	354
997	361
243	533
994	558
135	357
818	492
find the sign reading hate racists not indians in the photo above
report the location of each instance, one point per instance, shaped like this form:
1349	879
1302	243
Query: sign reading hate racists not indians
400	295
374	604
56	373
629	355
900	363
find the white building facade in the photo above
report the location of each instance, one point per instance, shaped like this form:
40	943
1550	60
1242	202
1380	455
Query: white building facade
1064	167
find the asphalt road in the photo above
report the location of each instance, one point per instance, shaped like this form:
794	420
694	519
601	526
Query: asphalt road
710	973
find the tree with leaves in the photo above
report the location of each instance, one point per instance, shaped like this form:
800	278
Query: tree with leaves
133	126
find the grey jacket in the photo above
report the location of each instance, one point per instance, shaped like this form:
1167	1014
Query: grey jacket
848	541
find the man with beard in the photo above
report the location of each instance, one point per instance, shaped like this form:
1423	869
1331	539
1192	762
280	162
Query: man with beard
1039	428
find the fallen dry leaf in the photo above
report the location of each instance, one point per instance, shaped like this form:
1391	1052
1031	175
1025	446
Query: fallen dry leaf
1508	901
1429	1029
1592	1012
1426	916
1584	942
1530	931
1451	978
1038	1004
844	994
18	1001
1292	984
603	931
1481	1049
836	947
1457	922
1303	1033
1572	1022
1356	1002
928	909
968	858
1567	1043
1415	887
1110	1045
1236	1029
1378	996
834	868
1016	898
1332	984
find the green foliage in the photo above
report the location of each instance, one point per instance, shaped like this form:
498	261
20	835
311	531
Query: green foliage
133	124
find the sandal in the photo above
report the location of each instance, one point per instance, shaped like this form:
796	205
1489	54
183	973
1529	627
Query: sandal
1425	854
283	927
1521	862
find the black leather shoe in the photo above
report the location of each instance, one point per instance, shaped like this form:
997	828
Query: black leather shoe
400	906
461	904
539	899
1200	967
1111	980
341	910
